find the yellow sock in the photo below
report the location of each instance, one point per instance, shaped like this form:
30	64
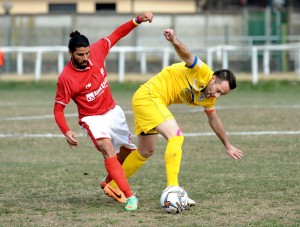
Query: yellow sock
131	164
173	156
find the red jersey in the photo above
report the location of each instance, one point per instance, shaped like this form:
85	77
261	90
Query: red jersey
89	87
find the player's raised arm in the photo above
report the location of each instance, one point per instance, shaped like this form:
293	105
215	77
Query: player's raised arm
128	26
182	51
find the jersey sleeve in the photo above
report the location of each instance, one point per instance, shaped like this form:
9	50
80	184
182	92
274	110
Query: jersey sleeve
62	98
205	71
120	32
63	91
60	117
103	46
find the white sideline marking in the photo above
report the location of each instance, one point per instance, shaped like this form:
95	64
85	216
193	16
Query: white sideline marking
192	110
22	118
245	133
50	135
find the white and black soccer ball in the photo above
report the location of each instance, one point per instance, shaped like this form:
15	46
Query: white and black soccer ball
174	199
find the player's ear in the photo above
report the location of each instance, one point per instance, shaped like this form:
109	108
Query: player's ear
70	53
214	78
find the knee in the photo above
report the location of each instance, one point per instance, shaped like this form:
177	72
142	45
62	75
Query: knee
105	147
146	153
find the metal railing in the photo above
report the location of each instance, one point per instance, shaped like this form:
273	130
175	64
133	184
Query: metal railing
222	51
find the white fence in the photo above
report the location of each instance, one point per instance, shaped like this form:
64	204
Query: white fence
222	51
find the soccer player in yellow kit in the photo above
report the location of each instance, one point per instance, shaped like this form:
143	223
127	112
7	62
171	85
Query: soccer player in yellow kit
191	82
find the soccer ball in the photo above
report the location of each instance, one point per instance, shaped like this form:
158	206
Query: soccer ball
174	199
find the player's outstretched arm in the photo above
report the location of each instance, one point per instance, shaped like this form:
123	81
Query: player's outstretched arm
182	51
234	152
62	124
217	126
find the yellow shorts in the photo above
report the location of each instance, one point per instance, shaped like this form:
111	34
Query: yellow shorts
149	110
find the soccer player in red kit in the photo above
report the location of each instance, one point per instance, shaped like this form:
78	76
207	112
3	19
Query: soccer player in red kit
84	80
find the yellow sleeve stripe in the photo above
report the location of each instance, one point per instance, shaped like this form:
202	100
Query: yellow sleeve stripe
134	21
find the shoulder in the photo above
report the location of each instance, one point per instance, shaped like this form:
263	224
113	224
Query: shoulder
67	73
202	67
101	43
100	48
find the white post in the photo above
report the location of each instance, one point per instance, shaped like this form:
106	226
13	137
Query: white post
225	59
20	63
254	66
60	62
166	57
121	68
38	66
143	63
266	61
209	58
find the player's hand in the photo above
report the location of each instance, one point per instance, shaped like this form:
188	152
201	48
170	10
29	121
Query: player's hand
148	16
234	152
170	35
71	139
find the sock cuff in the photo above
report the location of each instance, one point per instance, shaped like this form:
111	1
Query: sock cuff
139	155
111	160
176	138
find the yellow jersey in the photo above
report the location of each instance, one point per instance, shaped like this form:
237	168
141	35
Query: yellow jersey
180	83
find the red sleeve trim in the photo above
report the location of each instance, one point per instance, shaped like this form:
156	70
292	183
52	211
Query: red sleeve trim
209	111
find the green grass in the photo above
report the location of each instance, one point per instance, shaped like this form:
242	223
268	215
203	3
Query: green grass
44	183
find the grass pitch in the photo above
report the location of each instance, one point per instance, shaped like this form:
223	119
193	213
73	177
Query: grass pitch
44	183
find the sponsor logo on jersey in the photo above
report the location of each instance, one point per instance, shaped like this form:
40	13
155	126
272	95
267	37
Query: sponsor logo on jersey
201	97
103	133
102	72
90	97
88	85
94	94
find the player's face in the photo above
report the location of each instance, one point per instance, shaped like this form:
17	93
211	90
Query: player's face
80	57
216	88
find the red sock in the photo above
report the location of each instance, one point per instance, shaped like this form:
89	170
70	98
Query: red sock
117	173
108	178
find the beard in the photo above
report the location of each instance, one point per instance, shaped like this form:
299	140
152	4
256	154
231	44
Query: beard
79	65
